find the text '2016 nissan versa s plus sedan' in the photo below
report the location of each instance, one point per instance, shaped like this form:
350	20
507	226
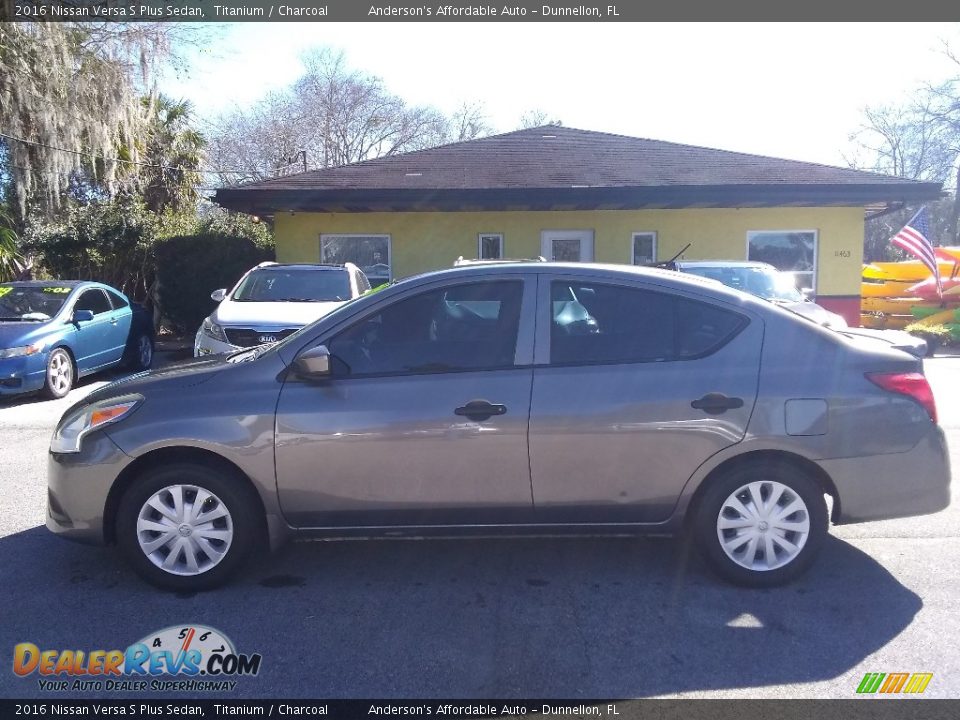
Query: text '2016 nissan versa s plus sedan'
509	398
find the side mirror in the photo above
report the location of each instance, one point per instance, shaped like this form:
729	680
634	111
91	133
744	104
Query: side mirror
218	295
80	316
314	364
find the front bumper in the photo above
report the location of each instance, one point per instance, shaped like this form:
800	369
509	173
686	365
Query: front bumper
78	485
880	487
22	374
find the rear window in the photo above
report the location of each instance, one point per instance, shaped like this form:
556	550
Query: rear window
594	323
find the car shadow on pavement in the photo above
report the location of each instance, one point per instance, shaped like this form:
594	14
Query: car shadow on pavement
554	618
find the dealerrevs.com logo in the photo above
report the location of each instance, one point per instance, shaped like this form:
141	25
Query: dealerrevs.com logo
894	683
204	656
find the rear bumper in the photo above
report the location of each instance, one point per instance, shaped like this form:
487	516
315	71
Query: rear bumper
880	487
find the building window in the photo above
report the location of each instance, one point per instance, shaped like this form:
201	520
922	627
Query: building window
644	248
371	253
490	246
792	251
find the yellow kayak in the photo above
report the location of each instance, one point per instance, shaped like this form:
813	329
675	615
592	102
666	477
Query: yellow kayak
944	317
886	288
892	306
886	322
908	270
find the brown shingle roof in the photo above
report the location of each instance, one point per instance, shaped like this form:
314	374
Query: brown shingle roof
553	166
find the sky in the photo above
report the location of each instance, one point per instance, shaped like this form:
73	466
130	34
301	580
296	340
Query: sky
790	90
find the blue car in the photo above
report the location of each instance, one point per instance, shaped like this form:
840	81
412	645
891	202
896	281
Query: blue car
53	332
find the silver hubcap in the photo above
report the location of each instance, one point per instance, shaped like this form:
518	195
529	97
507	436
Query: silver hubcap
763	525
60	373
184	529
145	351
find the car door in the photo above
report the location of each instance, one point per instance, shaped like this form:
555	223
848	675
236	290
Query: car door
93	339
634	387
424	419
121	319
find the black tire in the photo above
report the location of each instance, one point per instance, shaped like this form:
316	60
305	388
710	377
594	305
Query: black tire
140	352
720	488
228	489
52	387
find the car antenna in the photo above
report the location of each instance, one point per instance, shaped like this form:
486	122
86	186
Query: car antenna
671	264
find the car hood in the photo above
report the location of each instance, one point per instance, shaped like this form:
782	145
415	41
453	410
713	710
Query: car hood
15	334
271	314
183	374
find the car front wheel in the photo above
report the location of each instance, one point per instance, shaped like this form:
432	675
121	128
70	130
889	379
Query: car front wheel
186	526
60	374
762	524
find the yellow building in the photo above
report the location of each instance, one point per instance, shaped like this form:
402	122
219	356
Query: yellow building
570	194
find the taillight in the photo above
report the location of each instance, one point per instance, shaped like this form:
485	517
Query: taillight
914	385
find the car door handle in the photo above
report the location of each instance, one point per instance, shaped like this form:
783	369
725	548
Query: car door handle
480	410
716	403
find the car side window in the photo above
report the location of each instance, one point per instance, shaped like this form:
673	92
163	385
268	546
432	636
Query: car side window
459	327
93	300
117	300
594	323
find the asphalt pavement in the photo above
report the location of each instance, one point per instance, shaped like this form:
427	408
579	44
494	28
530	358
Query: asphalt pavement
505	618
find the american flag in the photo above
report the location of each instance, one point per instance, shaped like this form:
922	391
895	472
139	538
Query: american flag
914	239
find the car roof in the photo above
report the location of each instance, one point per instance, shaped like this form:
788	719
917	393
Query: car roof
50	283
723	264
302	266
658	276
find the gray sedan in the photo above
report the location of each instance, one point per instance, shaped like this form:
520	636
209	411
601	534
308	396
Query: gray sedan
509	398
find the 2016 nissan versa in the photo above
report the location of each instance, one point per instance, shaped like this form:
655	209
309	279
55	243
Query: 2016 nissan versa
517	398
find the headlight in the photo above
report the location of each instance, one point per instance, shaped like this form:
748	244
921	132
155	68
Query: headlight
21	351
73	427
211	329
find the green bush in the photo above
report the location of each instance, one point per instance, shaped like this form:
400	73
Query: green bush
190	267
110	241
935	335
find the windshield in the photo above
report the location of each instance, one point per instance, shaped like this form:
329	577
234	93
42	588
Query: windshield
766	283
31	302
294	285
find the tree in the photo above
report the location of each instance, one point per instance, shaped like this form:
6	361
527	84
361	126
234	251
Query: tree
918	140
468	122
537	118
172	156
10	257
69	102
336	116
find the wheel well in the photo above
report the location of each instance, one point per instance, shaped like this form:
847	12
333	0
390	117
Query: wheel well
68	351
168	456
768	456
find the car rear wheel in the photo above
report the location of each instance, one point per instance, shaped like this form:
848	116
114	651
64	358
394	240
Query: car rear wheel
141	357
762	524
60	374
186	526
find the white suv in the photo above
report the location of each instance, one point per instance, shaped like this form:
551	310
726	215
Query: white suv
274	300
